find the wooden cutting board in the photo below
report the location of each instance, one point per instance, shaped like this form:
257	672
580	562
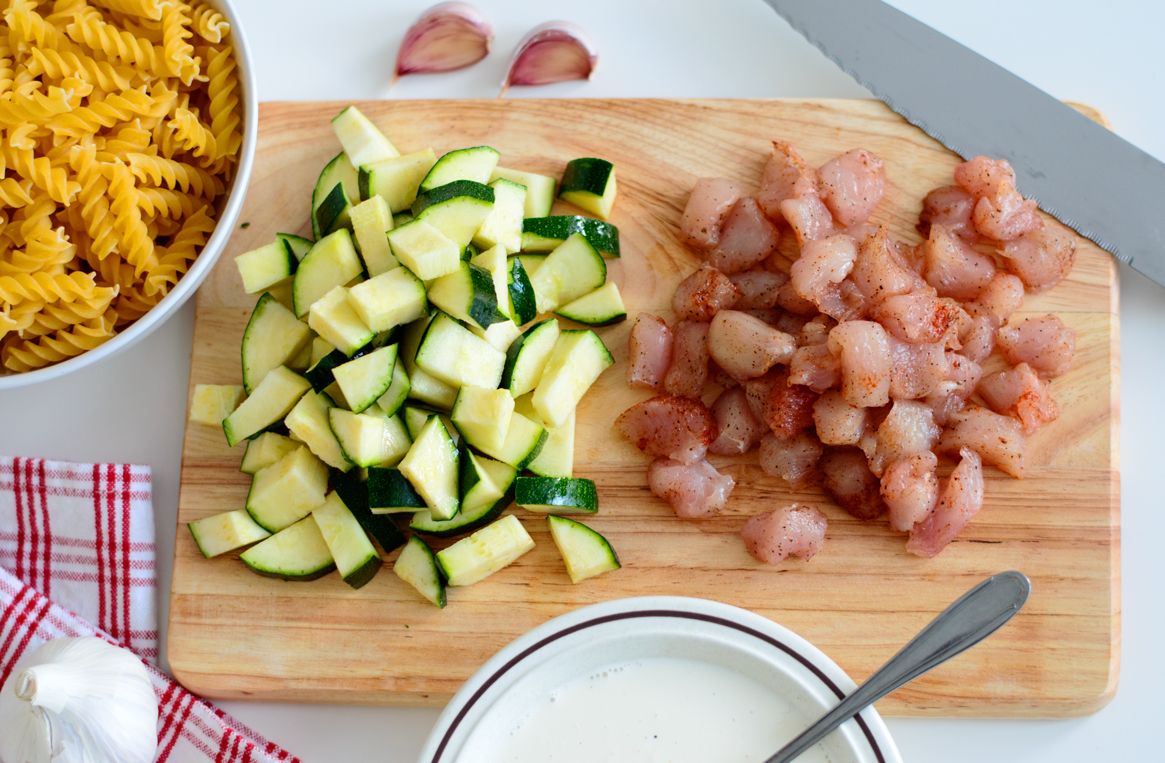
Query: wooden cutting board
235	634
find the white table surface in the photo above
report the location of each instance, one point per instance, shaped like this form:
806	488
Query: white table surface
1109	55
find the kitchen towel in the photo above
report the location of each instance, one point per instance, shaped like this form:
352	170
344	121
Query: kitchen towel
77	559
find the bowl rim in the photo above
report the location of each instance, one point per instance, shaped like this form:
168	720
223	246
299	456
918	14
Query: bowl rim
637	611
215	246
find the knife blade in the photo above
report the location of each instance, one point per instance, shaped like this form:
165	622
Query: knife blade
1088	177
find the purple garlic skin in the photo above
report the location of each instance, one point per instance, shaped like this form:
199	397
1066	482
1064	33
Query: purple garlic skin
556	51
446	37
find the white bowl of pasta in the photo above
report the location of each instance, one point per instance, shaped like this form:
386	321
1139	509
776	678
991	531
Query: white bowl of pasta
130	135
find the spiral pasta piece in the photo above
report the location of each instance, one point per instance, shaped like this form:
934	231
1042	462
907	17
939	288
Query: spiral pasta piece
174	174
23	104
209	24
28	354
26	27
15	193
193	135
46	287
122	106
179	53
57	64
147	9
174	260
91	30
45	251
167	203
94	208
222	88
134	243
40	171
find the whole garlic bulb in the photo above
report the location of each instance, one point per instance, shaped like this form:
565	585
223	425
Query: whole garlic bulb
79	700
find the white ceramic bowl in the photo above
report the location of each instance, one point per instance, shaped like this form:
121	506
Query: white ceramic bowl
696	638
194	277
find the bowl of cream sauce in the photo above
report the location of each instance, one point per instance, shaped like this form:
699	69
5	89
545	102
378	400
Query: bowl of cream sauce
655	679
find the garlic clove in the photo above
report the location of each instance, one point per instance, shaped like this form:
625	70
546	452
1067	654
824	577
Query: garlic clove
448	36
552	52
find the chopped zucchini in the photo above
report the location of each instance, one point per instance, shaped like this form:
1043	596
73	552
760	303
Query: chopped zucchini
543	234
333	318
366	378
431	468
362	141
369	439
336	190
320	347
497	478
321	372
424	249
287	490
499	335
298	246
573	269
585	552
457	210
309	422
589	184
211	403
524	440
273	337
266	266
417	566
556	458
389	492
539	189
531	262
389	300
486	551
527	357
396	180
467	294
371	222
331	262
277	394
556	495
476	163
298	552
398	391
503	225
354	493
457	356
601	307
355	556
416	417
579	357
523	304
265	450
483	416
225	532
493	261
422	386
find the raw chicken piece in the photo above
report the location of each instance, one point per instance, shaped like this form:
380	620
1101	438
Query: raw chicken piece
709	203
881	270
836	421
794	530
739	431
1019	392
649	351
951	207
997	438
818	272
1000	210
908	429
1041	258
794	460
815	367
694	490
864	351
689	360
808	217
959	381
747	347
910	489
954	268
758	288
848	478
852	185
704	293
790	300
756	392
917	370
960	500
747	238
978	338
789	408
815	331
1002	296
678	428
786	176
1044	343
917	318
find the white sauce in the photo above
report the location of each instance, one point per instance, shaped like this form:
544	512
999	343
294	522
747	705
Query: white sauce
657	710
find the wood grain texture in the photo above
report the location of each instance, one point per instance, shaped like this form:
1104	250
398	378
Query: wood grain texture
234	634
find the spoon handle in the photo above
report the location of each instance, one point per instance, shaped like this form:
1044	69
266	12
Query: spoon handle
973	617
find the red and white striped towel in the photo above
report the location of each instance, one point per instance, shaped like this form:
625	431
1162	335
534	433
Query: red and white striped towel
77	559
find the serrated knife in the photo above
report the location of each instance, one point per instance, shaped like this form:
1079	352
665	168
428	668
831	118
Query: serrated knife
1092	180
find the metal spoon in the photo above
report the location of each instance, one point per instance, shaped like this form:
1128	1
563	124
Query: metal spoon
973	617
